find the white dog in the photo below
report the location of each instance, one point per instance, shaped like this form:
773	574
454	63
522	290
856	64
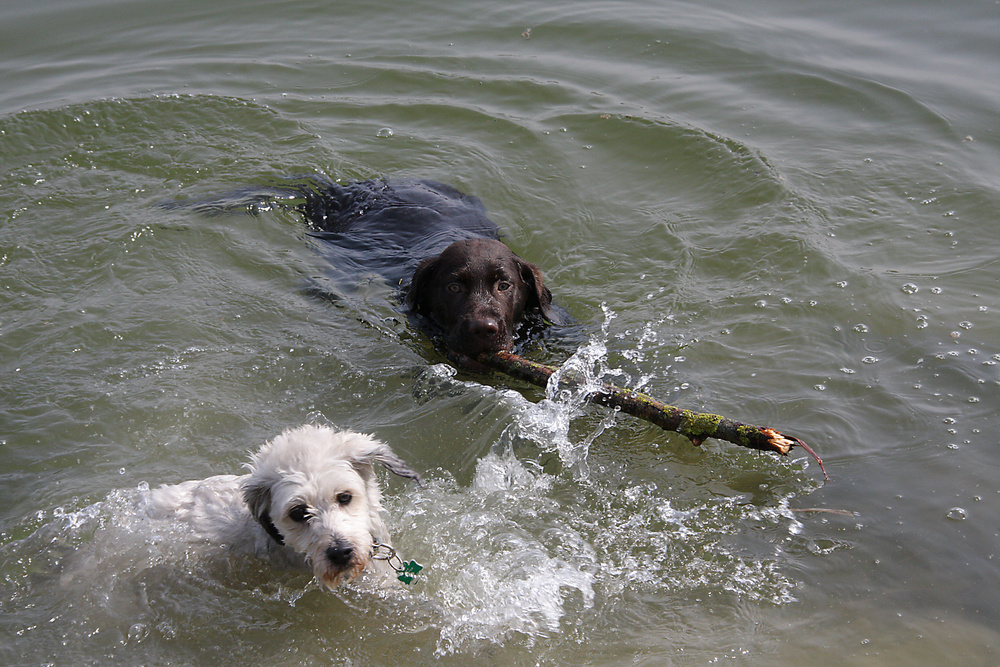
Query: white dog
311	498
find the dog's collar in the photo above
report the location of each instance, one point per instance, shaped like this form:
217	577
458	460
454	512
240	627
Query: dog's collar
270	528
406	571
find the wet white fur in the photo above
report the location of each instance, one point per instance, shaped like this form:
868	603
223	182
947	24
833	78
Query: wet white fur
311	466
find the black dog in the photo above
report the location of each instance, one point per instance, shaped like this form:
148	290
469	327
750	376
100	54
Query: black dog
479	293
457	280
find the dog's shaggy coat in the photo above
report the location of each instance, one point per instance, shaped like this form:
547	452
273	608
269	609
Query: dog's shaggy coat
311	498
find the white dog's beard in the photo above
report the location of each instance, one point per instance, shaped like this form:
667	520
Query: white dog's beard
338	561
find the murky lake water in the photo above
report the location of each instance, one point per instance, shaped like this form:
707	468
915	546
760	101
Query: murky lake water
782	212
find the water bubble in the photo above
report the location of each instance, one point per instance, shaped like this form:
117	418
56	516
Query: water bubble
973	399
957	514
819	387
847	371
861	328
121	471
761	304
935	290
138	632
965	325
841	283
384	132
876	345
869	360
910	288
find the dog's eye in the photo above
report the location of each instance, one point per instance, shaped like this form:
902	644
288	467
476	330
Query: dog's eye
299	514
344	497
454	288
503	285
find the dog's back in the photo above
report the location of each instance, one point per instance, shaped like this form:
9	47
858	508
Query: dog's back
389	227
213	509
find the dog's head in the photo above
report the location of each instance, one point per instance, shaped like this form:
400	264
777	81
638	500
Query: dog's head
314	490
478	292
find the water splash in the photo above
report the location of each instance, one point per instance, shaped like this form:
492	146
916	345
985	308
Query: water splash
521	554
547	423
506	562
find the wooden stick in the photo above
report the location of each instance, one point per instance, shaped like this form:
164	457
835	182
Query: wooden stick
695	426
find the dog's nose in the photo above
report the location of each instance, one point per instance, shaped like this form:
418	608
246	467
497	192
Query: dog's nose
485	327
339	554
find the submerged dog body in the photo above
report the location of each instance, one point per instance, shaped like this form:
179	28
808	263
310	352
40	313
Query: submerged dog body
438	246
311	498
457	280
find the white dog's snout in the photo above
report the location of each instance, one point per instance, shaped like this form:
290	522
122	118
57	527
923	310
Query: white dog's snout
340	553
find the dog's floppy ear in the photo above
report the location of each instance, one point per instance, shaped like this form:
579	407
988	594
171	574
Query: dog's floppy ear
257	496
540	298
394	464
379	452
415	296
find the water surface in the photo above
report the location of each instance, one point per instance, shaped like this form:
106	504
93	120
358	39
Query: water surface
781	212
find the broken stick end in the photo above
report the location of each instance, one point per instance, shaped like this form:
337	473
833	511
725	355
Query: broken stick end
783	443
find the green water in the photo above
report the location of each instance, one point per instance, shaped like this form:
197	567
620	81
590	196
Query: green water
780	212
